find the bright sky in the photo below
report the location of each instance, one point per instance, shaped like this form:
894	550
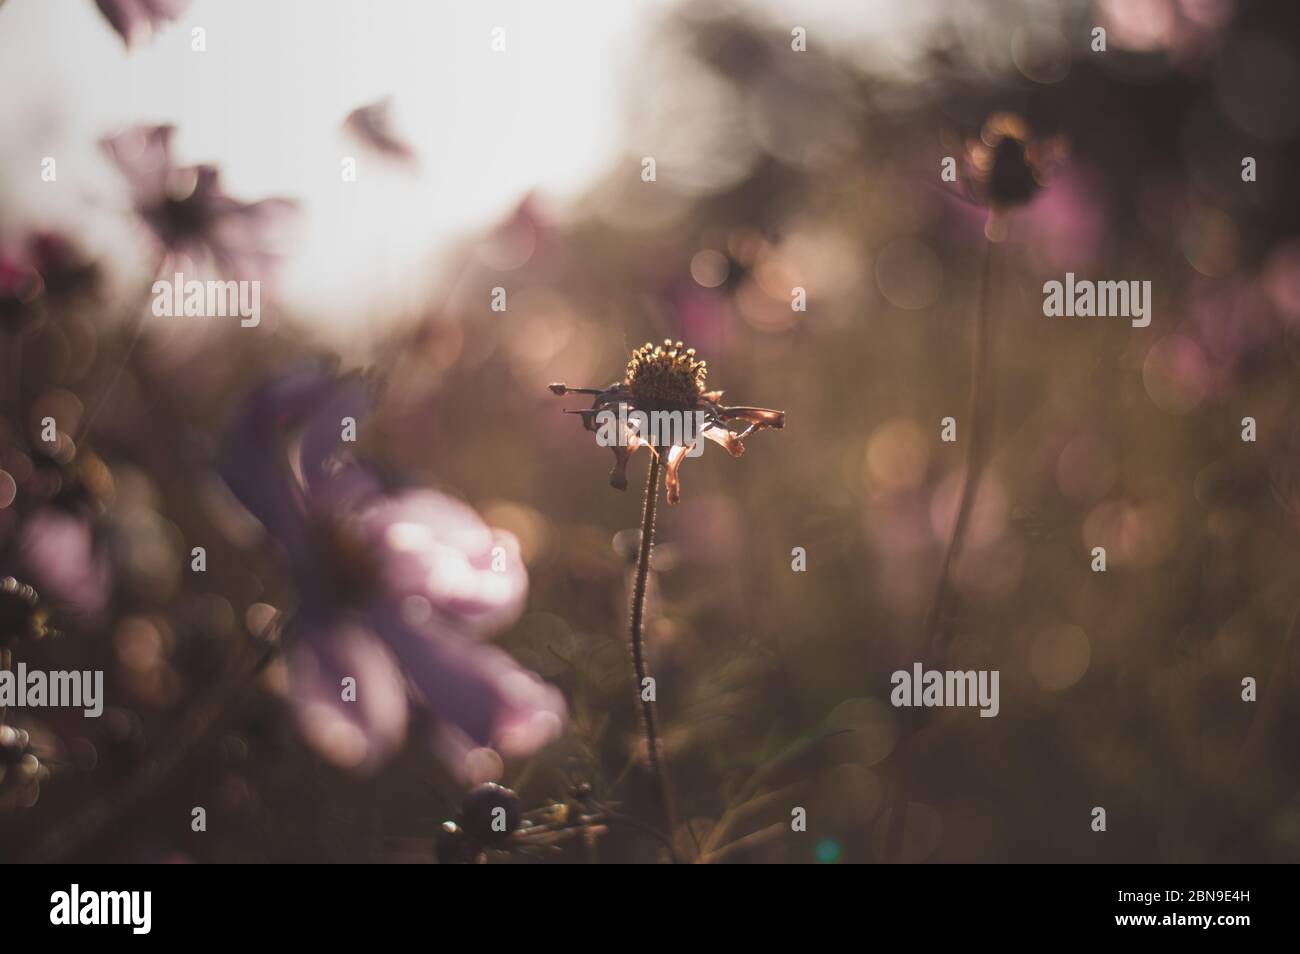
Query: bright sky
267	98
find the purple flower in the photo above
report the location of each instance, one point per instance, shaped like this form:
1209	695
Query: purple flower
139	19
189	215
396	588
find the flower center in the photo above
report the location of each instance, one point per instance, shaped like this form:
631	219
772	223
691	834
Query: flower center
665	377
346	562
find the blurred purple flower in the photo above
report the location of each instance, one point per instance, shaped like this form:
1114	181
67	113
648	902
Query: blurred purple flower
396	588
190	216
139	19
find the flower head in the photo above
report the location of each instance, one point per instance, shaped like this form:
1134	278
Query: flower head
396	588
669	378
1007	165
187	212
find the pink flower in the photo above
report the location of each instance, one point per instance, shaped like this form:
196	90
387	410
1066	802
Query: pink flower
189	215
397	590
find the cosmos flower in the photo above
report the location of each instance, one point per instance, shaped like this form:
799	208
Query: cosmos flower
188	214
669	377
139	19
396	589
1006	166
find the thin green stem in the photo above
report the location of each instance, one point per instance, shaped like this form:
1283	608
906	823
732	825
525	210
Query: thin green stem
649	723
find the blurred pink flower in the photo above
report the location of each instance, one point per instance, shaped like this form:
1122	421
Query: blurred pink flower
397	589
189	215
59	554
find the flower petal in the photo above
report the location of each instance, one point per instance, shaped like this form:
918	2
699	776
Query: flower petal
358	732
758	416
433	548
676	454
622	454
350	396
480	695
720	435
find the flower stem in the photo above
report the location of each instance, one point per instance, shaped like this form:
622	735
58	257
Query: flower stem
649	723
980	417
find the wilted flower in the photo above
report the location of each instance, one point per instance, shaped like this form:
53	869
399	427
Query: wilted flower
395	588
669	378
139	19
187	212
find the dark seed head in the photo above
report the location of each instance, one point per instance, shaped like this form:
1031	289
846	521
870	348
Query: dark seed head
490	813
665	377
1011	180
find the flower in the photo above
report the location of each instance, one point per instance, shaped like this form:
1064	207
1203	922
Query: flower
396	589
670	378
187	212
1007	167
139	19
